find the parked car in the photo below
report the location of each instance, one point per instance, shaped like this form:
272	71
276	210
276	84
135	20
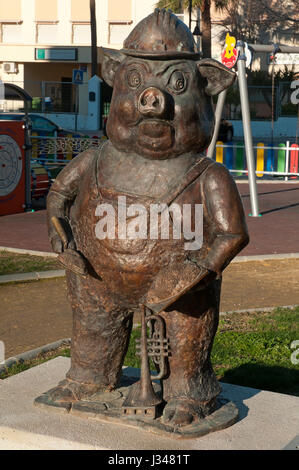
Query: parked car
39	124
226	131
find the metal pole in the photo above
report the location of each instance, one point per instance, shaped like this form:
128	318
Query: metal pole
269	48
287	160
218	115
77	107
43	96
247	129
28	152
93	26
190	12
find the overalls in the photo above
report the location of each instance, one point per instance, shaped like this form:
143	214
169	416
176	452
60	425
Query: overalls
103	304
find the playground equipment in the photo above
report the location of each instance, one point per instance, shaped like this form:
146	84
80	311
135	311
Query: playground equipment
15	178
40	180
12	167
277	161
282	164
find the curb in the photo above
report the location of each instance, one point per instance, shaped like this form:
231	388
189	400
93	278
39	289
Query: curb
22	251
276	256
238	259
34	276
259	309
33	353
37	275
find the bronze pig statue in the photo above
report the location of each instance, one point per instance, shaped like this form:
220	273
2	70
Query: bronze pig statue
161	119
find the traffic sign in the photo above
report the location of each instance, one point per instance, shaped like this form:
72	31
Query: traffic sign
78	76
230	54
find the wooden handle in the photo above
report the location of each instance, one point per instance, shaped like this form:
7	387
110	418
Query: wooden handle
60	231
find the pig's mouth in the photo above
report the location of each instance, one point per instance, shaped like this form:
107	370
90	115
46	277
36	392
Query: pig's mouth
155	135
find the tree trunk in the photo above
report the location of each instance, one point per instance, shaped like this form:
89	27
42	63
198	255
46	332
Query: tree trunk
93	27
206	28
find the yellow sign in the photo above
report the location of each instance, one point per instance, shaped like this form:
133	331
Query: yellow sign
230	43
230	54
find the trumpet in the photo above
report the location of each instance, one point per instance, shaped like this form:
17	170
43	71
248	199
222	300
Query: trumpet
142	399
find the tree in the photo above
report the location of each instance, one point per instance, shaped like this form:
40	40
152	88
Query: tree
205	7
261	21
254	21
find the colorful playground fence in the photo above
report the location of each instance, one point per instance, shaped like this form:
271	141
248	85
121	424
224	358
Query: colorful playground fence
60	150
280	160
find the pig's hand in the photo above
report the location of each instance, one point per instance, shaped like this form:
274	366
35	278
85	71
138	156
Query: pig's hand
72	244
57	245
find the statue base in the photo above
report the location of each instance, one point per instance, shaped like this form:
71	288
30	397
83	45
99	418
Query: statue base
108	407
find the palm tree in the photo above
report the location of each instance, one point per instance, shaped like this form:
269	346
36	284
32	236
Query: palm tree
93	27
205	8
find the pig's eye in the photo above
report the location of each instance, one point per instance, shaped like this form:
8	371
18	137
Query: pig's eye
177	82
134	78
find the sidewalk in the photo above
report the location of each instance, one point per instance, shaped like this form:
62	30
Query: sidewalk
276	231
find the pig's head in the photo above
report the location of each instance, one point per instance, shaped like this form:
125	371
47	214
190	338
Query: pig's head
161	105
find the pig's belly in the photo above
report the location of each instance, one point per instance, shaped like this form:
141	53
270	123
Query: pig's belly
128	266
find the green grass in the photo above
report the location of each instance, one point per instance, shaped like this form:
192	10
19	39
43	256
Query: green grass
250	349
253	350
11	263
22	366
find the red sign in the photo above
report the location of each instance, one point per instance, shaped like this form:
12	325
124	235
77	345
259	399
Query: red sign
230	54
12	167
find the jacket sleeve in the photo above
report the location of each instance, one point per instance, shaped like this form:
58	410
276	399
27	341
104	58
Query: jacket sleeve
65	188
225	218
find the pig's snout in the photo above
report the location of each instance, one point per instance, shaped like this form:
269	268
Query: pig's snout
151	102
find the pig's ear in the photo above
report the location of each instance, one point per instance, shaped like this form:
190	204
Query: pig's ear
110	59
217	75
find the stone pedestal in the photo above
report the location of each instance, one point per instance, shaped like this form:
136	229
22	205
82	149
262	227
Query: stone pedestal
266	420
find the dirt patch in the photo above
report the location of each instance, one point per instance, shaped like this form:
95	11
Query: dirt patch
37	313
33	314
256	284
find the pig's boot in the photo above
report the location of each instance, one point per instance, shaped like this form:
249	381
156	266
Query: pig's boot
191	387
101	333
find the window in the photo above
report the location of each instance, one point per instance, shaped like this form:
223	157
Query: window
118	32
12	33
80	17
10	22
10	11
119	11
46	11
42	124
80	11
46	22
81	33
47	33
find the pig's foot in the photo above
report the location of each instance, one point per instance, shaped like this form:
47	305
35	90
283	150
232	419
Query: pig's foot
69	391
181	411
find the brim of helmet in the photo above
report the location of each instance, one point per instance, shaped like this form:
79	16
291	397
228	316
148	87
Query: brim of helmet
162	54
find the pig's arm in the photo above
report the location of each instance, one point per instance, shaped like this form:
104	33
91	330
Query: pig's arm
224	211
62	195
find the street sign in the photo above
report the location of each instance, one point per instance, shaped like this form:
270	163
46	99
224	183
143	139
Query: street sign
78	76
56	53
283	58
230	54
248	55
